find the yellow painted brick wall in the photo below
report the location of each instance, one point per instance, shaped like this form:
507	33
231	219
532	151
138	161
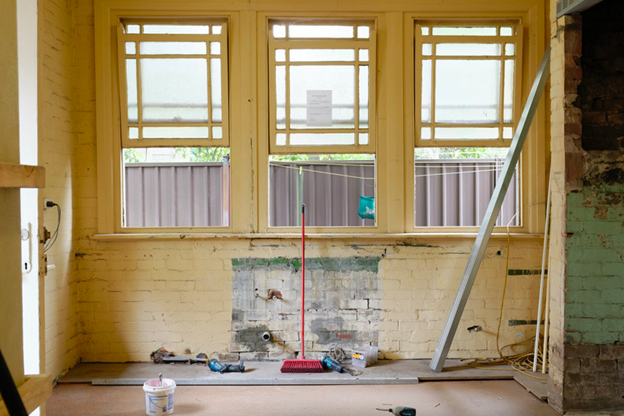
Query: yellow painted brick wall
135	296
57	146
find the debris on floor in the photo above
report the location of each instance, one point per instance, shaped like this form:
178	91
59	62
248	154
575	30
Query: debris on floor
400	411
162	356
216	366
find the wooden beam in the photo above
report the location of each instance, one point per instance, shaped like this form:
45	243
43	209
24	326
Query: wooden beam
21	176
34	392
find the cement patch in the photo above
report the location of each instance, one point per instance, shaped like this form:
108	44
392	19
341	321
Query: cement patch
338	305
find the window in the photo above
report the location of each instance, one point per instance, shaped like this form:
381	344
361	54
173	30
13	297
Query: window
322	123
218	120
467	78
174	122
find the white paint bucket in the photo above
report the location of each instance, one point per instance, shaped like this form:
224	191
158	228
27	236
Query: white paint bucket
159	398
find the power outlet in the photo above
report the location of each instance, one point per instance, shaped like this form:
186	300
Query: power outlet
47	204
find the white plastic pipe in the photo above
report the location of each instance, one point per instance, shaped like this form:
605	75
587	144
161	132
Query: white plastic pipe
546	316
541	292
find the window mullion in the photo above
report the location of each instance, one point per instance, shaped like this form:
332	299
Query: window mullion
433	90
501	104
209	90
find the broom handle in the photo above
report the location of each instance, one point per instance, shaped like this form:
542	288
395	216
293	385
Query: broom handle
302	275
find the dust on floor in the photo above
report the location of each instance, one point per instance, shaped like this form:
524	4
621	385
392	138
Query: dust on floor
450	398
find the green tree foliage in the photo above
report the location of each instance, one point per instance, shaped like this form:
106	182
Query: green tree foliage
179	154
202	154
460	153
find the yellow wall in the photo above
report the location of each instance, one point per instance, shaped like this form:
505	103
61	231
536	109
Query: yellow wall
58	150
10	241
136	295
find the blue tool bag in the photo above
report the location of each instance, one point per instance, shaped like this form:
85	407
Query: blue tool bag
367	207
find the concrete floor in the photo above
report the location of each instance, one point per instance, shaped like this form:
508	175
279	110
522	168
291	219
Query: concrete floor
266	373
449	398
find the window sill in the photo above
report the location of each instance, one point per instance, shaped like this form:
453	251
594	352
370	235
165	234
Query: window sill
296	236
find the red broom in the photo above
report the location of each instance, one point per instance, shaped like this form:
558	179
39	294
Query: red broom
302	365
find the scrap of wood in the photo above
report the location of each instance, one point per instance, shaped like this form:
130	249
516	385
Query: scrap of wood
34	392
13	175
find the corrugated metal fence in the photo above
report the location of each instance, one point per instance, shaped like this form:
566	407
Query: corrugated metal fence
176	194
331	192
456	192
448	192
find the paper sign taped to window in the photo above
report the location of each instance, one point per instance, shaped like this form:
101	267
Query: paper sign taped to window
319	108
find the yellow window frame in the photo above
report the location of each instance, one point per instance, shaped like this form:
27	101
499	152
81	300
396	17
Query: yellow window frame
420	39
356	44
108	105
123	37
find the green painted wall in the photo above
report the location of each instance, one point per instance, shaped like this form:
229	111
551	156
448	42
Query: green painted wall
594	286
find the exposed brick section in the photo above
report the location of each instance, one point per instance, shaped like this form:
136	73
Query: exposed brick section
567	158
586	257
594	376
602	89
343	305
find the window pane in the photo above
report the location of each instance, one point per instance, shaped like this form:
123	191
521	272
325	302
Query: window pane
467	91
177	29
453	186
280	55
507	133
466	133
174	90
175	132
280	139
280	96
468	49
176	187
363	55
217	133
427	49
464	31
321	139
279	31
215	83
363	32
506	31
363	97
320	32
215	48
425	133
216	29
509	91
425	30
426	92
133	29
133	133
130	48
173	48
339	79
317	55
131	81
510	49
363	139
331	186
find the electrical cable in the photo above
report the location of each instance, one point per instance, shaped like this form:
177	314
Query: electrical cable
337	353
54	236
522	362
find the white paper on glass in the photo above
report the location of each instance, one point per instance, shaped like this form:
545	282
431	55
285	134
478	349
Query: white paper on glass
319	108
